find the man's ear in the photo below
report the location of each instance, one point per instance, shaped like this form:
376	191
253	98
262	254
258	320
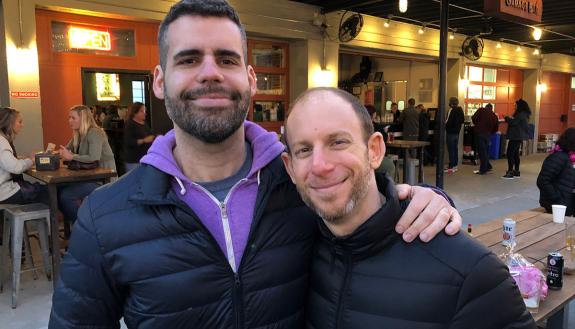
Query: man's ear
252	80
286	158
158	84
375	149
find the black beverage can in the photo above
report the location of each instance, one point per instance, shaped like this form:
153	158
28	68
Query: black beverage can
555	270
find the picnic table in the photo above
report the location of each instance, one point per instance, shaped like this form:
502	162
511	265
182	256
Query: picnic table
406	145
54	178
536	236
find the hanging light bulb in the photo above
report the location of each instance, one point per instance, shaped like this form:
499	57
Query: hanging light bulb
498	45
386	23
518	49
402	6
451	36
537	32
536	52
421	29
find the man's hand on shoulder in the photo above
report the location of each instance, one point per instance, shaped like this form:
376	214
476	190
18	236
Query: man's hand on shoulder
428	214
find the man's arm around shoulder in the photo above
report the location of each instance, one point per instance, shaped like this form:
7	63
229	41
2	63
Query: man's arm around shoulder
86	296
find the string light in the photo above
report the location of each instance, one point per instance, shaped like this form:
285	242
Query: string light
537	32
402	6
451	36
498	45
536	52
518	49
421	29
386	23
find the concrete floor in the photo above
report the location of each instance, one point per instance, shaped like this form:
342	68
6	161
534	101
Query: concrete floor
478	198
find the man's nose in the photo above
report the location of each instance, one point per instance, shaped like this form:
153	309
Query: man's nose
321	163
210	71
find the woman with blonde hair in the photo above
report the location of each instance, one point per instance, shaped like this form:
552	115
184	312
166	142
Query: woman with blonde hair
89	144
13	188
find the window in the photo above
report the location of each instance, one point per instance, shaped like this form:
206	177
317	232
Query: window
499	87
490	75
138	92
269	106
475	73
572	82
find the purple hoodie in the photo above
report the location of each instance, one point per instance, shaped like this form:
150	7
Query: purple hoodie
228	222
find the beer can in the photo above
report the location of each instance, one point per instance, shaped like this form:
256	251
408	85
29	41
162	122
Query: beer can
555	270
508	232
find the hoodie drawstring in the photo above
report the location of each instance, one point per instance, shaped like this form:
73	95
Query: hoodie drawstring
182	188
259	172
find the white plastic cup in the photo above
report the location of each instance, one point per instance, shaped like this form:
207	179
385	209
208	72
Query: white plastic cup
558	213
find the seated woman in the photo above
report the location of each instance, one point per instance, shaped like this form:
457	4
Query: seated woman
88	144
13	188
556	181
137	136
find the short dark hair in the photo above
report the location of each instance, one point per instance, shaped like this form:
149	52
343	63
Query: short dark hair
201	8
411	102
522	106
567	140
489	106
134	109
359	109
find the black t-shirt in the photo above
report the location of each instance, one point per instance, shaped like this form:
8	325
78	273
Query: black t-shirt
132	132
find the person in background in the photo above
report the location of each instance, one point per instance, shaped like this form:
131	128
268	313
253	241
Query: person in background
556	180
485	124
424	120
209	231
517	132
363	275
453	123
111	115
387	166
13	188
395	112
88	144
137	136
409	118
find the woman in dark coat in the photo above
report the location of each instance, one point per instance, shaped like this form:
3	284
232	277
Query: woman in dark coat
517	132
556	181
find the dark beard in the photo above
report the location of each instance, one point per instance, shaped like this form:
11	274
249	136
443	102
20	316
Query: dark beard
209	124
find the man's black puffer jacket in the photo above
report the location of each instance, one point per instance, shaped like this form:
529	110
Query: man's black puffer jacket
373	279
556	182
139	252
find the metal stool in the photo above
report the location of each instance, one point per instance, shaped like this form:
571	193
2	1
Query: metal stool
14	227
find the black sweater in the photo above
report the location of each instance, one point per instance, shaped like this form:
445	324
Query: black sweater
132	132
556	182
373	279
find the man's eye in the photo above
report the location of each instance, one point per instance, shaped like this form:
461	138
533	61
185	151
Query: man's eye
229	61
301	152
340	142
187	61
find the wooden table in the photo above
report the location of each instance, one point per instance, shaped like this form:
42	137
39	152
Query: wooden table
405	146
536	236
53	178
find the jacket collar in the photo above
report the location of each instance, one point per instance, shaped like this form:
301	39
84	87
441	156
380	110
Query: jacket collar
377	233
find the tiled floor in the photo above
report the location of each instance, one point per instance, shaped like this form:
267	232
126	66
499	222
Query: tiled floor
478	198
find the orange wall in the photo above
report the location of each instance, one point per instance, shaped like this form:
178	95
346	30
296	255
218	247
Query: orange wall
60	73
556	101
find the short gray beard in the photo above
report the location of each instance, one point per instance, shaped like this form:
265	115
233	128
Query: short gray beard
358	192
211	125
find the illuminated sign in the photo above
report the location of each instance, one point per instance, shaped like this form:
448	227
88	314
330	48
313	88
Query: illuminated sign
520	11
107	86
89	39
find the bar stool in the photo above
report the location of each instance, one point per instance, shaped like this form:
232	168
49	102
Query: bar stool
15	219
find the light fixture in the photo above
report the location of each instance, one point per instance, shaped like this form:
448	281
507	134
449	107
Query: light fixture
518	49
498	45
324	77
541	87
463	84
402	6
421	29
536	52
451	36
537	32
386	23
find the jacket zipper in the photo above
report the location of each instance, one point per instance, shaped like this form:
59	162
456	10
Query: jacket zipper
238	301
343	290
225	221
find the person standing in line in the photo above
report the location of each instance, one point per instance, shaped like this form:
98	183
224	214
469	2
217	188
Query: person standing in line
209	231
424	121
363	275
137	136
453	123
517	132
556	180
409	118
485	124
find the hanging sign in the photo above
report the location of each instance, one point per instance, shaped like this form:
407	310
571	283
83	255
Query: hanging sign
83	38
24	94
519	11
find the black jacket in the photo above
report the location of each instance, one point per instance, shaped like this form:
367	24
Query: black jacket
132	132
518	126
454	121
556	182
138	251
373	279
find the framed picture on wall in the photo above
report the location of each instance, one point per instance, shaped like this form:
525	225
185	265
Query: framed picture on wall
378	77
